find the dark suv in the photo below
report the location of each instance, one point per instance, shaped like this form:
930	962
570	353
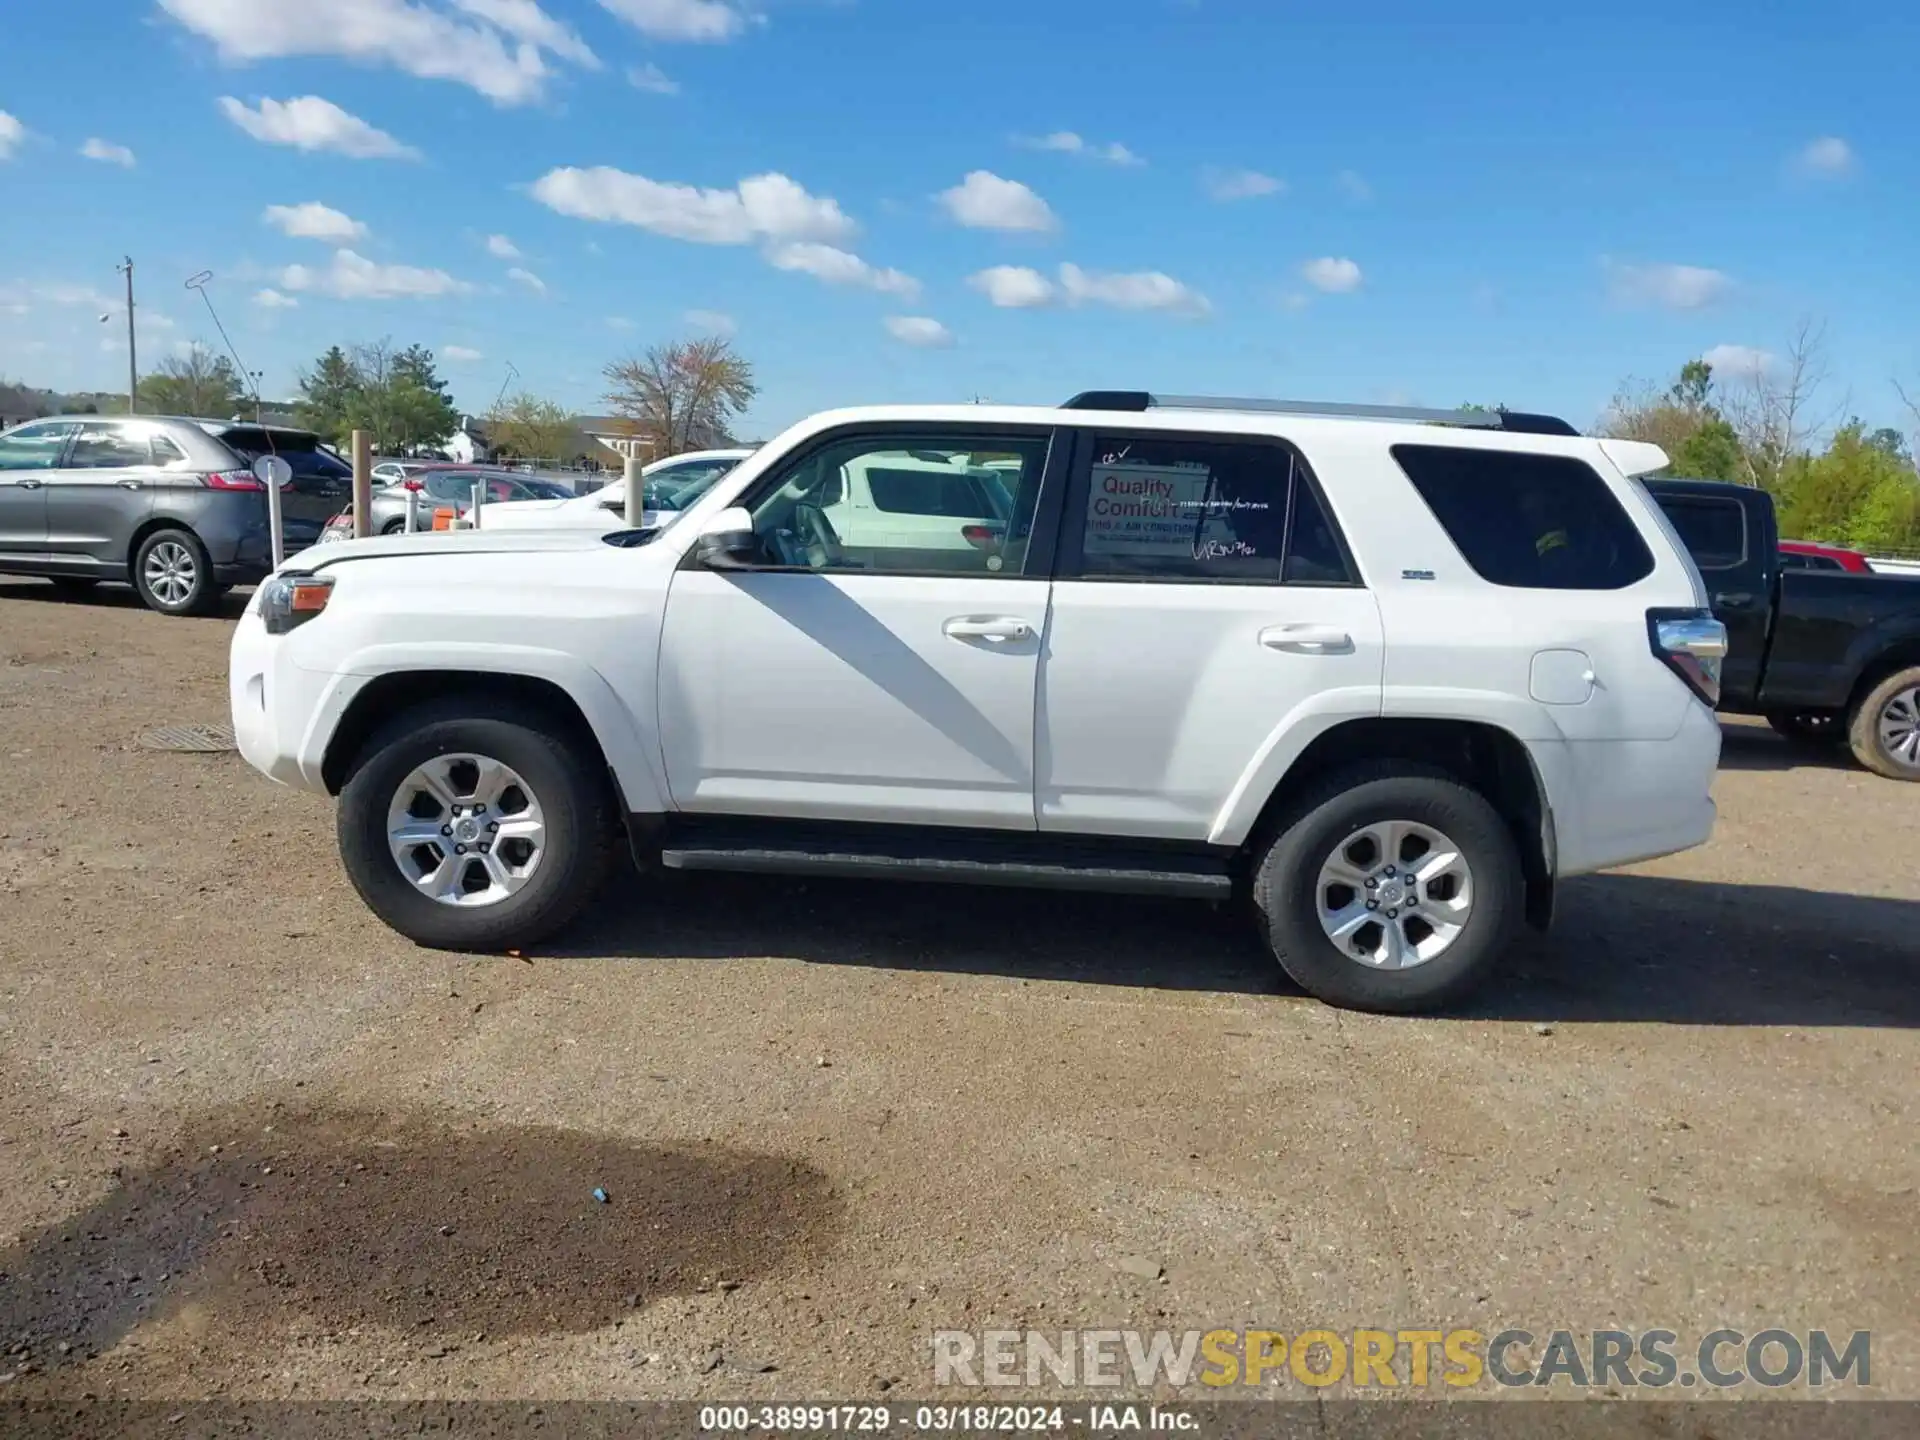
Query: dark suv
169	505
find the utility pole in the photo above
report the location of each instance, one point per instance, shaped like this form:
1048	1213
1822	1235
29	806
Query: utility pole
133	363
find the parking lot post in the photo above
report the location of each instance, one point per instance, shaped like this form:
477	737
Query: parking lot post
413	509
362	484
636	494
479	499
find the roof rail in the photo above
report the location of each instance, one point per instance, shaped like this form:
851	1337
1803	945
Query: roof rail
1519	422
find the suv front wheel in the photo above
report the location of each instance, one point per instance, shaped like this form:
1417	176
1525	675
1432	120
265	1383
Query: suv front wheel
1390	887
470	829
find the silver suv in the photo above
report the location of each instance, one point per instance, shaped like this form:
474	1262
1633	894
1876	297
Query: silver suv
167	504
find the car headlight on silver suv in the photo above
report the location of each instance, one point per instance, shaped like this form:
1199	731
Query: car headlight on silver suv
290	600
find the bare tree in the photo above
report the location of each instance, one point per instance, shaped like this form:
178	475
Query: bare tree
681	396
528	428
1777	411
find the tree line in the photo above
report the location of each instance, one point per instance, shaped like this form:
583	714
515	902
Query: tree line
1771	426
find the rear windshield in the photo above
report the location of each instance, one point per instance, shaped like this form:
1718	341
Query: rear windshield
299	448
1532	522
928	492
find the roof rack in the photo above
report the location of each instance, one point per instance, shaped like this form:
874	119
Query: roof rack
1516	421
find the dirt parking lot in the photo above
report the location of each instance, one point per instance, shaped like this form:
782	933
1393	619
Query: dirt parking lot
254	1145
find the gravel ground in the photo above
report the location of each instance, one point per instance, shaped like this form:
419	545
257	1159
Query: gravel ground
254	1145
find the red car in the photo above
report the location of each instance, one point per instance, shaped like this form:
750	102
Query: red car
1810	555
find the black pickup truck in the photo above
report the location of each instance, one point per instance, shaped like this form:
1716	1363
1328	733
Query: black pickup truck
1826	657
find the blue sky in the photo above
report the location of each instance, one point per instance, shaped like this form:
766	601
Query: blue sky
1014	200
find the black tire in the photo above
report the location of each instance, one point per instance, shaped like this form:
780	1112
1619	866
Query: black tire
1284	886
395	527
1810	727
1895	699
574	795
200	594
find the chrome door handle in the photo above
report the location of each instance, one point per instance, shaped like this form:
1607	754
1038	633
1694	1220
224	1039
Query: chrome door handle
29	484
1307	639
996	628
130	484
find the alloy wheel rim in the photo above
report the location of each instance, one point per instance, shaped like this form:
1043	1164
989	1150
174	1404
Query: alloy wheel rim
170	572
466	830
1394	894
1900	727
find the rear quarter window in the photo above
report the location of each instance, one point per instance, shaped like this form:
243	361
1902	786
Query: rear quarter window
1528	522
1714	531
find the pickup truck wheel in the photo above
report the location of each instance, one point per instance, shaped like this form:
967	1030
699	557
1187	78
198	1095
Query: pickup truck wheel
1885	730
1810	727
475	832
1391	887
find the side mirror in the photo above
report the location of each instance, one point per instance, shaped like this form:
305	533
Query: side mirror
728	540
273	472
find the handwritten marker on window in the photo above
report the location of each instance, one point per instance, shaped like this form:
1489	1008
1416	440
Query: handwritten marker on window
599	1194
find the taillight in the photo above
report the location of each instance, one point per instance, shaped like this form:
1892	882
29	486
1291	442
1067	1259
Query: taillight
1692	644
982	537
233	480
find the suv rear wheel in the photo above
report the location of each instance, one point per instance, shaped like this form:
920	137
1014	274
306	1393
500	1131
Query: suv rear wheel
1391	887
173	575
475	830
1885	730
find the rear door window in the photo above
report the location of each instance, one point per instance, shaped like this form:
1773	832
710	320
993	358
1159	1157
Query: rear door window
109	445
1714	531
1529	522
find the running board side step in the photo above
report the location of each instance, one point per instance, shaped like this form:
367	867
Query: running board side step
1143	874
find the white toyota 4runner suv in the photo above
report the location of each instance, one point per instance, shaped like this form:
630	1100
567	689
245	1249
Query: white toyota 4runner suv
1390	675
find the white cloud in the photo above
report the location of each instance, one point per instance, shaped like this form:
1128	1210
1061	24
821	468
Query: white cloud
501	248
1671	287
527	278
984	201
526	22
496	48
1141	290
652	79
12	135
460	354
840	267
271	299
353	277
1740	362
1354	186
310	123
314	221
107	152
697	20
1828	158
763	207
1065	142
1226	185
1332	275
921	331
711	322
1014	287
619	322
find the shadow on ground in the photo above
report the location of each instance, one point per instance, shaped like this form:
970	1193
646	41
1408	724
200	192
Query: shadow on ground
1622	948
355	1220
106	596
1755	747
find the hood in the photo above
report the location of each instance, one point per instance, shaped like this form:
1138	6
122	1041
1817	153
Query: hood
428	543
517	507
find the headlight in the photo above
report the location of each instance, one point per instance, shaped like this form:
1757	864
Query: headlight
293	599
